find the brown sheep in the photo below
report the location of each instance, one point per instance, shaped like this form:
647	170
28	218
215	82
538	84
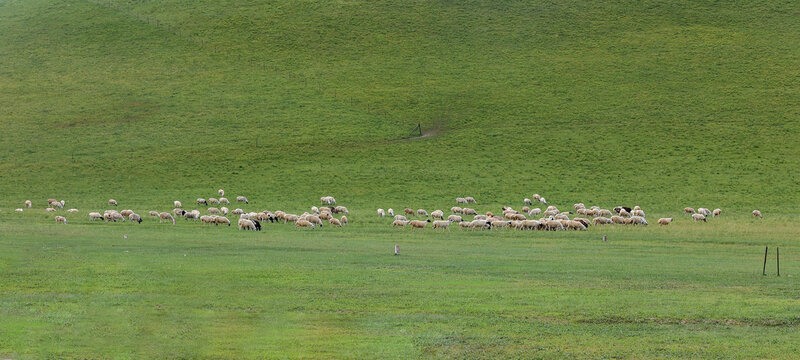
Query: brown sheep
757	214
717	212
688	210
664	221
419	224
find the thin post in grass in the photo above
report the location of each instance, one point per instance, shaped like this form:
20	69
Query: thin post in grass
778	253
764	271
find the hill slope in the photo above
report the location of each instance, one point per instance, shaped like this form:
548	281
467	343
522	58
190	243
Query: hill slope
645	102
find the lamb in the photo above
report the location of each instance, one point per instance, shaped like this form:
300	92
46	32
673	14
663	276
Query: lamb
335	222
206	219
688	210
390	212
536	197
470	200
61	219
530	225
699	217
470	211
113	216
461	200
28	203
112	202
72	210
525	209
314	220
177	204
344	220
664	221
602	220
303	223
454	218
135	217
201	201
325	215
381	213
223	200
527	201
221	220
166	216
717	212
624	213
418	224
441	224
757	214
554	225
400	223
221	192
213	210
438	214
242	199
500	224
245	224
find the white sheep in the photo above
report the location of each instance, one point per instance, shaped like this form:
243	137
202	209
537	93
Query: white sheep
135	217
224	200
213	201
201	201
470	200
418	224
112	202
165	216
400	217
381	213
95	216
61	219
345	221
28	203
542	201
213	210
50	210
441	224
400	223
664	221
224	210
245	224
221	220
454	218
717	212
153	213
422	212
527	201
177	204
461	200
757	214
390	212
438	214
303	223
242	199
699	217
221	192
72	210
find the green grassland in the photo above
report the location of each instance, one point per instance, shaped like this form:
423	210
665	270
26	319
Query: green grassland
662	104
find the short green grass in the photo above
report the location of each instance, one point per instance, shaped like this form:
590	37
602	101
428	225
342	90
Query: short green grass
663	104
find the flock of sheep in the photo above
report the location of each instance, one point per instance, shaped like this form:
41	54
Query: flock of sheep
551	218
217	215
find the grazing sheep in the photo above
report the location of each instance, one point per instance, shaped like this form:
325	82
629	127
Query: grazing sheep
617	219
242	199
637	207
341	209
534	211
213	210
456	210
335	222
221	220
554	225
201	201
192	215
575	225
214	201
717	212
153	213
177	204
61	219
562	217
72	210
135	217
536	197
328	200
636	220
178	212
95	216
699	217
464	225
530	225
470	200
166	216
28	203
604	213
757	214
480	224
501	224
112	202
688	210
303	223
400	223
441	224
408	211
325	215
704	211
624	213
480	217
113	216
418	224
454	218
438	214
637	212
18	210
245	224
126	212
345	221
221	192
400	217
527	201
50	210
381	213
390	212
223	200
578	206
542	201
461	201
237	211
602	220
664	221
470	211
206	219
314	220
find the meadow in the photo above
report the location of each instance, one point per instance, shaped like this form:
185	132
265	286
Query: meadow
662	104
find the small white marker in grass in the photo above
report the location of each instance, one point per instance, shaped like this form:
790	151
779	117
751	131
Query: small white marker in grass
396	249
604	238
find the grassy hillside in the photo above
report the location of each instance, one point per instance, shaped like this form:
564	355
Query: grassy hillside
654	103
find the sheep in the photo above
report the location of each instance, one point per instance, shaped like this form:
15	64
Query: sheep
177	204
441	224
664	221
527	201
390	212
95	216
214	201
636	220
28	203
400	217
617	219
500	224
418	224
542	201
575	225
61	219
480	217
704	211
456	210
206	219
408	211
438	214
480	224
244	216
303	223
59	204
464	225
470	200
604	212
345	221
18	210
688	210
126	212
400	223
578	206
381	213
461	200
624	213
470	211
314	220
113	216
757	214
637	212
153	213
72	210
717	212
112	202
534	211
637	207
341	209
50	210
328	200
536	197
221	220
178	212
242	199
335	222
256	224
600	220
165	216
554	225
325	215
454	218
530	225
290	218
192	215
135	217
237	211
201	201
245	224
221	192
213	210
223	200
699	217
